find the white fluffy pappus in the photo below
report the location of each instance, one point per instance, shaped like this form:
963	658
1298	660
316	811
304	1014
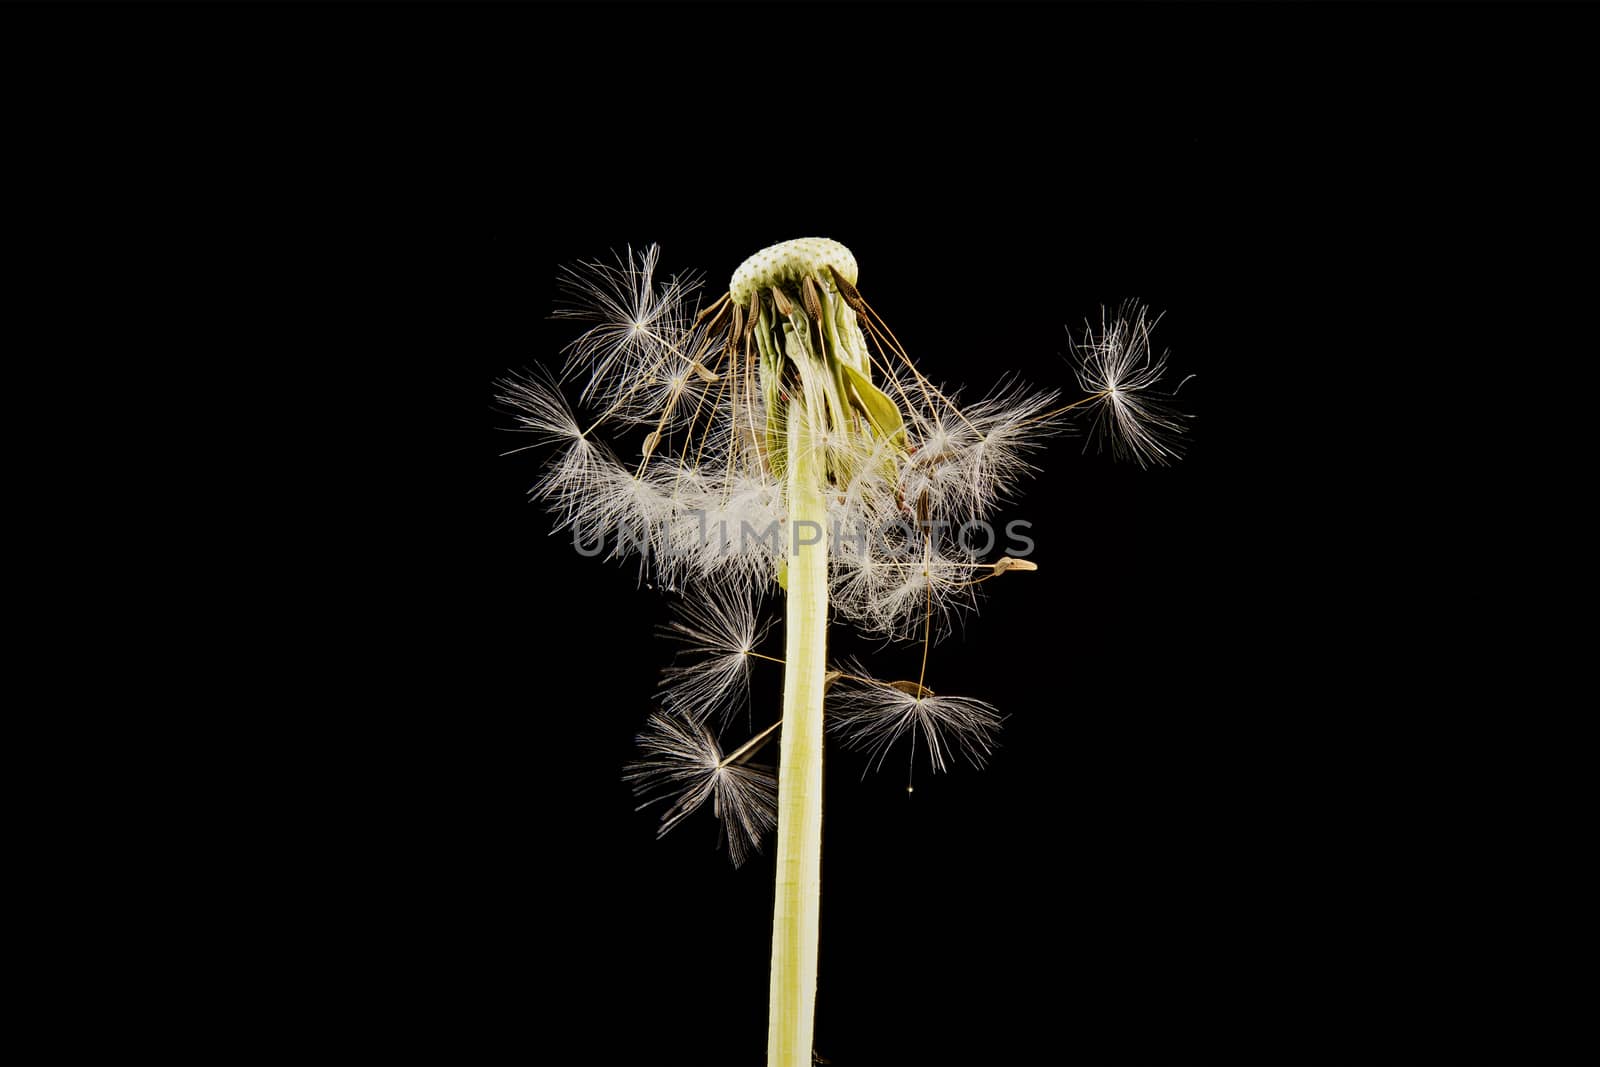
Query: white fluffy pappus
719	626
1119	368
873	716
636	323
681	762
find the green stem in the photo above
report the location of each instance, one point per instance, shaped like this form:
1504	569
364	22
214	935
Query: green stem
799	890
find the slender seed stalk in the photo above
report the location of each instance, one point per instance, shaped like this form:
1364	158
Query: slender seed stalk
799	882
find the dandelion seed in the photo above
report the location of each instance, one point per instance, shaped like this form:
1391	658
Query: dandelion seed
1117	367
872	715
896	594
539	407
683	763
669	398
733	537
637	323
620	507
1011	425
720	627
541	410
934	480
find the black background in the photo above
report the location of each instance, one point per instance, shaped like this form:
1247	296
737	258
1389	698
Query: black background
1235	817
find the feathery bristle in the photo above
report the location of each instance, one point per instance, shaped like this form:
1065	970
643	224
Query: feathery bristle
719	626
1118	367
872	715
683	763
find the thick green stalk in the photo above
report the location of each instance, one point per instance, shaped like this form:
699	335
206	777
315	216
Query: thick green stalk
799	890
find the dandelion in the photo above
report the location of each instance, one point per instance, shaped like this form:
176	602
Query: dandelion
778	438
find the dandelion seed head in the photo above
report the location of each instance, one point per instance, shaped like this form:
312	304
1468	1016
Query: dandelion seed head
682	459
709	487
